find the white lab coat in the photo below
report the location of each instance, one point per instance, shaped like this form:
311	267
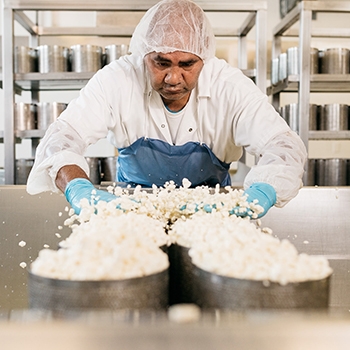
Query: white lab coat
226	111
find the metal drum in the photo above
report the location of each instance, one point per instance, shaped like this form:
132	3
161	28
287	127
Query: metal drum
311	172
113	52
314	61
149	292
218	292
25	59
53	58
293	66
274	71
180	275
48	112
95	169
334	117
331	172
23	168
109	168
291	116
282	67
336	61
25	116
86	58
293	61
313	116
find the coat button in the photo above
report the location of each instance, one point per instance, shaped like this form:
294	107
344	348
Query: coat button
163	126
190	129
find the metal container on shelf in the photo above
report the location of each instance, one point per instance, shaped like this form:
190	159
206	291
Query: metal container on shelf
290	114
314	61
48	112
95	169
282	66
109	168
293	66
311	172
53	58
25	60
86	58
23	168
293	61
313	116
336	61
274	71
334	117
113	52
331	172
25	116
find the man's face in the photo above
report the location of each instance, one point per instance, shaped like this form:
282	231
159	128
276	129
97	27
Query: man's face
173	75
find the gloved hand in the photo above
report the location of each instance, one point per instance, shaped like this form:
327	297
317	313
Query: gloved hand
265	195
80	188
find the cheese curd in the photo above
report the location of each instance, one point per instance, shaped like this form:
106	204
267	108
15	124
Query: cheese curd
235	247
107	248
121	239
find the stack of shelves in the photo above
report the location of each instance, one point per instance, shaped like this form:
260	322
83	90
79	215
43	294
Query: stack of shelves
305	83
15	10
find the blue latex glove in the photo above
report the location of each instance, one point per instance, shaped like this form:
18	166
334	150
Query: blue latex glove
80	188
264	193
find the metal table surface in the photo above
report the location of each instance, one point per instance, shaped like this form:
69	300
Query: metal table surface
316	221
272	331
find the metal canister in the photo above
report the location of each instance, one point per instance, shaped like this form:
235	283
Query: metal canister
94	169
313	116
282	67
331	172
48	112
25	116
293	65
25	59
23	168
109	168
53	58
113	52
213	291
86	58
336	61
311	173
64	296
274	71
334	117
292	116
293	61
314	61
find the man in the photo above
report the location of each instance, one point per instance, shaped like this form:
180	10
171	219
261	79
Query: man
173	110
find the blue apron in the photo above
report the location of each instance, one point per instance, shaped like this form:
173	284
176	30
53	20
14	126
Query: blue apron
150	161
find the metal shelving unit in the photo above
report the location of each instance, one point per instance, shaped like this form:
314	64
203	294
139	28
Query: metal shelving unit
304	84
14	10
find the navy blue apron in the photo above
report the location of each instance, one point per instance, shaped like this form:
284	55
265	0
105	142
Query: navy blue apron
150	161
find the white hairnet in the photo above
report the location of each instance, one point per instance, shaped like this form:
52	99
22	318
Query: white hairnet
174	25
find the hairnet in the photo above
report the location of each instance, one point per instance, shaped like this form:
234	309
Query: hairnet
174	25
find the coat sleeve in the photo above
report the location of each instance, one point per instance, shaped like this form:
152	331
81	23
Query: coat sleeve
281	164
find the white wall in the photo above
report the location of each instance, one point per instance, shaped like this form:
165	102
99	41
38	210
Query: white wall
226	49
